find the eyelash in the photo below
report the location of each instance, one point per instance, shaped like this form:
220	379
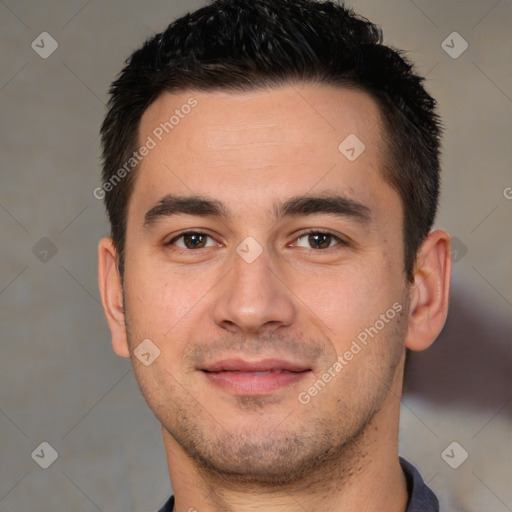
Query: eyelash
340	242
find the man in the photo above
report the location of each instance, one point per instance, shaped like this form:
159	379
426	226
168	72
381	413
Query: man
271	174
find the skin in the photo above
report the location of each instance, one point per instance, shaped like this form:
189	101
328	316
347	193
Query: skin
295	301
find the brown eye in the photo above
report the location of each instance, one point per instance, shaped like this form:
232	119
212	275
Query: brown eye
318	240
194	240
191	240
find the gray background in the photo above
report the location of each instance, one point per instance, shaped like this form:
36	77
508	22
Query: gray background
61	382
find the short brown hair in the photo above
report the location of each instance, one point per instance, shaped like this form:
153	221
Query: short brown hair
238	46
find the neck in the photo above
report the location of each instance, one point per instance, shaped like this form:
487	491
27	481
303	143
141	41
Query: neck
366	477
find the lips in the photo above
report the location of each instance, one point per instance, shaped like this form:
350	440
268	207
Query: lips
254	378
266	365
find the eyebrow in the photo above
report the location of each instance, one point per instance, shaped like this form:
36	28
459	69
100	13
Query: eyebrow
334	204
170	205
201	206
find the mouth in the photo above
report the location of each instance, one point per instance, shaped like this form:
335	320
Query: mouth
254	378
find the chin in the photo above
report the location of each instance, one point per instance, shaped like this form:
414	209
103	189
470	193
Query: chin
268	458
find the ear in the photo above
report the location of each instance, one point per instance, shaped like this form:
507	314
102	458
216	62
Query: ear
111	291
430	291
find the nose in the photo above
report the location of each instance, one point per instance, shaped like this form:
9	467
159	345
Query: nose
253	298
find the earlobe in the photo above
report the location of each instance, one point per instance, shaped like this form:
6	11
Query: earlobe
430	291
111	291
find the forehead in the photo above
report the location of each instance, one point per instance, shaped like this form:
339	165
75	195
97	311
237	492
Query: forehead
258	145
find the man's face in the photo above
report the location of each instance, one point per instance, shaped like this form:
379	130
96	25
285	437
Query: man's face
252	309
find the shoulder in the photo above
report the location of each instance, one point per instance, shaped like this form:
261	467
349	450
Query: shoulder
421	497
168	506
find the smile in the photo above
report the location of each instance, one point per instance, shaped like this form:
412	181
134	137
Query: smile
257	378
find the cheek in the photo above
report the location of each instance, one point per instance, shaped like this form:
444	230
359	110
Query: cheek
171	308
161	306
157	297
348	300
